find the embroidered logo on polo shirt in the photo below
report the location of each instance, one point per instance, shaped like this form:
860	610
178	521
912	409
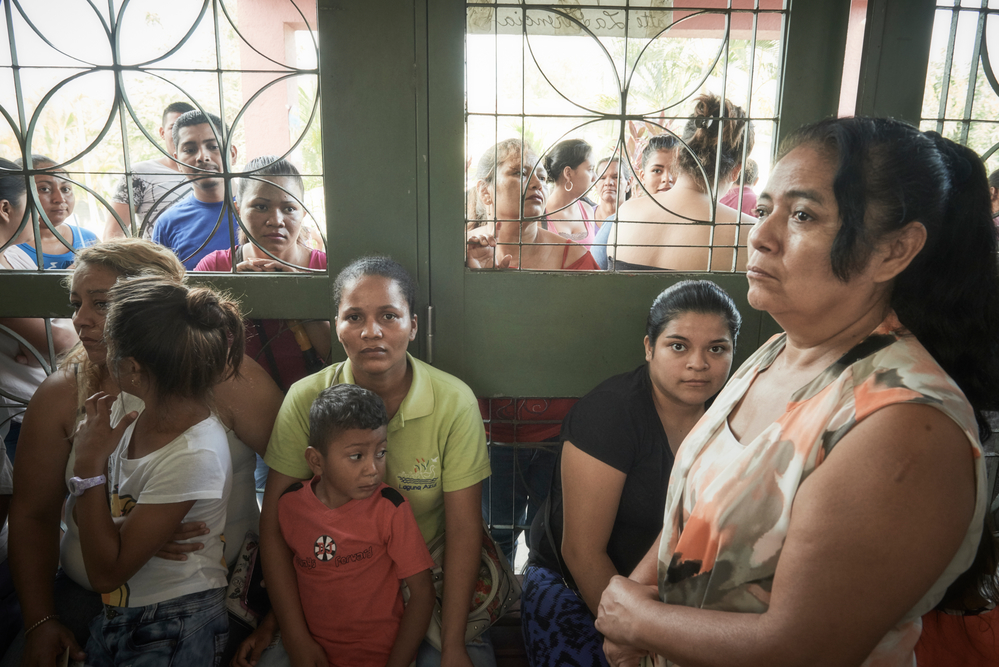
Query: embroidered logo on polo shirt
325	548
423	476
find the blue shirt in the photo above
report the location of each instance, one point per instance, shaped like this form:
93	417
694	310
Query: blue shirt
81	239
185	226
599	247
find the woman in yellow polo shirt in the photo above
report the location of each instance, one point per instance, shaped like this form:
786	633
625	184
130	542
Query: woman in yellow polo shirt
436	457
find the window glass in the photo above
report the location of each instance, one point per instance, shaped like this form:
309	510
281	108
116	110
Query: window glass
961	97
586	90
92	82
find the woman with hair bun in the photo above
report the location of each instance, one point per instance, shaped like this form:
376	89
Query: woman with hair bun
569	165
836	487
681	229
159	455
609	489
60	602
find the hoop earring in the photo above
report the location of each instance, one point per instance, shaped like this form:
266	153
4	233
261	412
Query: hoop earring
569	189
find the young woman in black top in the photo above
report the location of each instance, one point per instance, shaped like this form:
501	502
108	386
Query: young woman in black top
605	507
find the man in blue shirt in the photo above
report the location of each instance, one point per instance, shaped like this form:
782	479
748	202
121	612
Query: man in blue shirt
203	221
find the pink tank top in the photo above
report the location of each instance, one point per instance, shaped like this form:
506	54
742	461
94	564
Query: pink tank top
586	215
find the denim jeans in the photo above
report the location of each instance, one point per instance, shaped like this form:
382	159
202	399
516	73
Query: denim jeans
517	488
189	630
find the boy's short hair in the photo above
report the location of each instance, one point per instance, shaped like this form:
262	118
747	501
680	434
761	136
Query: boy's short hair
341	408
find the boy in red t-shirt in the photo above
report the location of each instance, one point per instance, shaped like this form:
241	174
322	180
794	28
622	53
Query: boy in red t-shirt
355	538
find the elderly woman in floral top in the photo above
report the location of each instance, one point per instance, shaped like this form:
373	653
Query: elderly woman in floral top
836	488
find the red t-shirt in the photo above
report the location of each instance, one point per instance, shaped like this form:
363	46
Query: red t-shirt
289	364
349	562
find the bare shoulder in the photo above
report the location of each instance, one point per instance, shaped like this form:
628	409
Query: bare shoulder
55	399
909	454
628	209
251	387
47	430
248	404
640	209
920	433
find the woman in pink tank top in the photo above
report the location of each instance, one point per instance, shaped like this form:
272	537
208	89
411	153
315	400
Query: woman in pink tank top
570	174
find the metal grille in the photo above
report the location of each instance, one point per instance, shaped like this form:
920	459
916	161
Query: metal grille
522	436
961	97
86	83
615	74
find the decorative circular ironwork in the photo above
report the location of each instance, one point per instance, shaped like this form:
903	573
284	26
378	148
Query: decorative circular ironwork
620	74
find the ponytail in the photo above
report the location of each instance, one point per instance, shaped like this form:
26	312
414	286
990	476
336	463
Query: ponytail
949	295
700	137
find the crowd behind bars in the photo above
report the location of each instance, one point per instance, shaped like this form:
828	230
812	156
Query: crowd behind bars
871	246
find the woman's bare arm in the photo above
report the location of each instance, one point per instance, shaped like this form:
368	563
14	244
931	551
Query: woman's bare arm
871	530
320	336
463	527
591	494
35	512
249	403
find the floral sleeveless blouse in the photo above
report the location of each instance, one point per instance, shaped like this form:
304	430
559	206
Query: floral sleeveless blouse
728	507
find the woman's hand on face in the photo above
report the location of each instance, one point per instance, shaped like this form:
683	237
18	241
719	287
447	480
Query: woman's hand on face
617	615
258	265
481	242
96	440
47	642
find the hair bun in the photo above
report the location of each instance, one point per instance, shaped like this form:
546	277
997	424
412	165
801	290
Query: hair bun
549	166
204	308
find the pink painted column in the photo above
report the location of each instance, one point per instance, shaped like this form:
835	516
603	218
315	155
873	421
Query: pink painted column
270	26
